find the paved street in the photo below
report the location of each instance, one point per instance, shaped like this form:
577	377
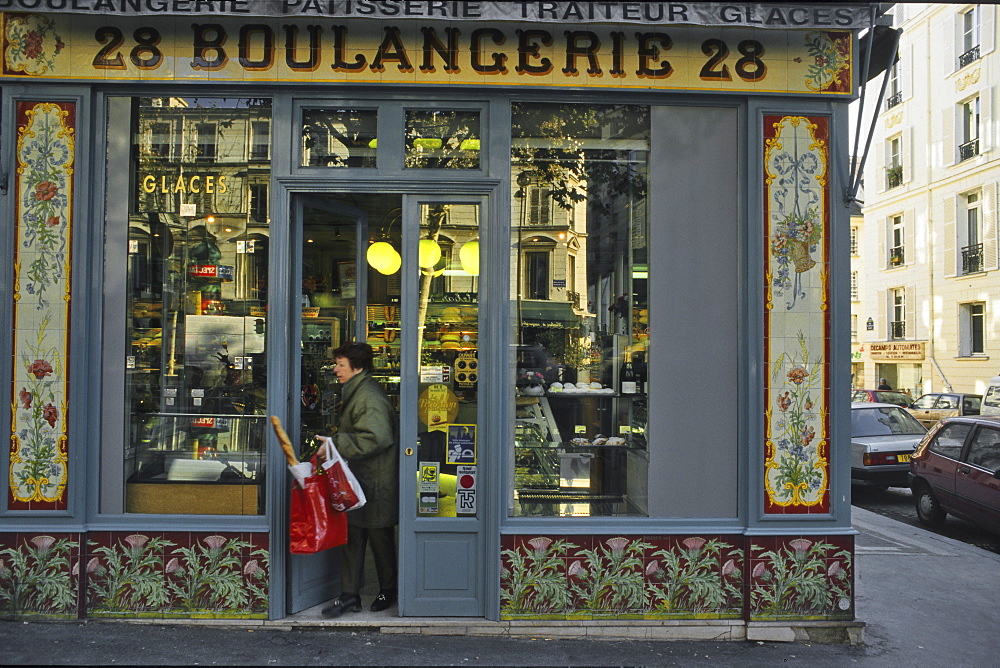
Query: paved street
897	503
928	600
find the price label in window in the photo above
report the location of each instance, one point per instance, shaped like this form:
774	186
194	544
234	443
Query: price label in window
580	429
625	429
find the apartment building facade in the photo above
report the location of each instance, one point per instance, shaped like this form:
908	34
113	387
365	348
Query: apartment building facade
925	273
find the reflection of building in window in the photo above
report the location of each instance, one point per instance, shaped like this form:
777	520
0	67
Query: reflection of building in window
536	274
260	140
206	141
258	202
540	206
161	140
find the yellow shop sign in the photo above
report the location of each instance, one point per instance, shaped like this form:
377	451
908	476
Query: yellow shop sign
184	183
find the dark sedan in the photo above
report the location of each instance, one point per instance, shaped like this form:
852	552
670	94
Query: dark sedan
956	469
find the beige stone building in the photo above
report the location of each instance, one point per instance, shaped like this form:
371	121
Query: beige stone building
925	272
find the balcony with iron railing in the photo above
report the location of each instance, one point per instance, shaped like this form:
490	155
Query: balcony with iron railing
894	100
896	256
970	56
897	329
969	149
972	259
894	176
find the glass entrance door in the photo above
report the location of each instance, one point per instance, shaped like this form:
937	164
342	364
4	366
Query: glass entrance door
402	274
440	525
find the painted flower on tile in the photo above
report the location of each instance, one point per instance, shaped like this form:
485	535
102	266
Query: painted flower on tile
45	191
613	578
40	369
796	469
208	576
36	578
136	541
45	164
50	414
798	375
540	544
533	577
799	582
43	542
692	581
33	43
617	545
214	542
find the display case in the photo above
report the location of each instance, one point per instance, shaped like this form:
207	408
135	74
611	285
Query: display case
578	455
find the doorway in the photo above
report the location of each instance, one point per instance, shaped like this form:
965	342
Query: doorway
400	272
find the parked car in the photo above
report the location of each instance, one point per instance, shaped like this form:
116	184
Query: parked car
895	397
930	408
956	469
883	437
991	399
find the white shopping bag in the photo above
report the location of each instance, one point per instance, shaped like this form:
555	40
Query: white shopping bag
346	493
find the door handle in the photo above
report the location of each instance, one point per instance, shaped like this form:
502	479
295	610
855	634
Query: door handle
963	470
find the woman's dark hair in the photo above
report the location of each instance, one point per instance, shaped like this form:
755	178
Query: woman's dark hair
359	355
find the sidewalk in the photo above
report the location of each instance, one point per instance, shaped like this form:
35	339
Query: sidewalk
927	600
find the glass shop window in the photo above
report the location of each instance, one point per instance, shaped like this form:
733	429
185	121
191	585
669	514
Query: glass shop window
579	309
339	137
196	306
442	139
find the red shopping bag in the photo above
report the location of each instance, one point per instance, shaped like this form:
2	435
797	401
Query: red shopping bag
314	525
345	490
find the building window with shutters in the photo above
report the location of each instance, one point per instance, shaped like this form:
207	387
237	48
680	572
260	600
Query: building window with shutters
895	92
972	329
969	148
970	26
897	242
897	324
972	251
894	168
854	286
854	240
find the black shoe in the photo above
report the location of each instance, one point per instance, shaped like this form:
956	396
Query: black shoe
341	604
385	598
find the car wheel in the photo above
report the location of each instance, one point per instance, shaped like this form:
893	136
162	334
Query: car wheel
928	509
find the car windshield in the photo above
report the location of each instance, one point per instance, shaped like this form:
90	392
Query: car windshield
884	421
897	398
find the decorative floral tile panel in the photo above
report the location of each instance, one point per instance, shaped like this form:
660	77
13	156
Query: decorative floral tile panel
177	574
41	305
39	575
807	577
796	315
618	577
677	577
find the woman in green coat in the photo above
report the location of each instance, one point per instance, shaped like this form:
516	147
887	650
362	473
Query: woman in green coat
366	437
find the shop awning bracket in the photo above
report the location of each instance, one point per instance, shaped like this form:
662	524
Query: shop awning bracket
879	51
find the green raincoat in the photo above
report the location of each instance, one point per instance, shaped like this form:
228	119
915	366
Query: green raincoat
367	438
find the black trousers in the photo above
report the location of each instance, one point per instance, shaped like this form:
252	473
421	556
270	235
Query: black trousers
383	541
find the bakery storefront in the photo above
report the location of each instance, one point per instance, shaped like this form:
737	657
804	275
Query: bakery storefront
596	247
